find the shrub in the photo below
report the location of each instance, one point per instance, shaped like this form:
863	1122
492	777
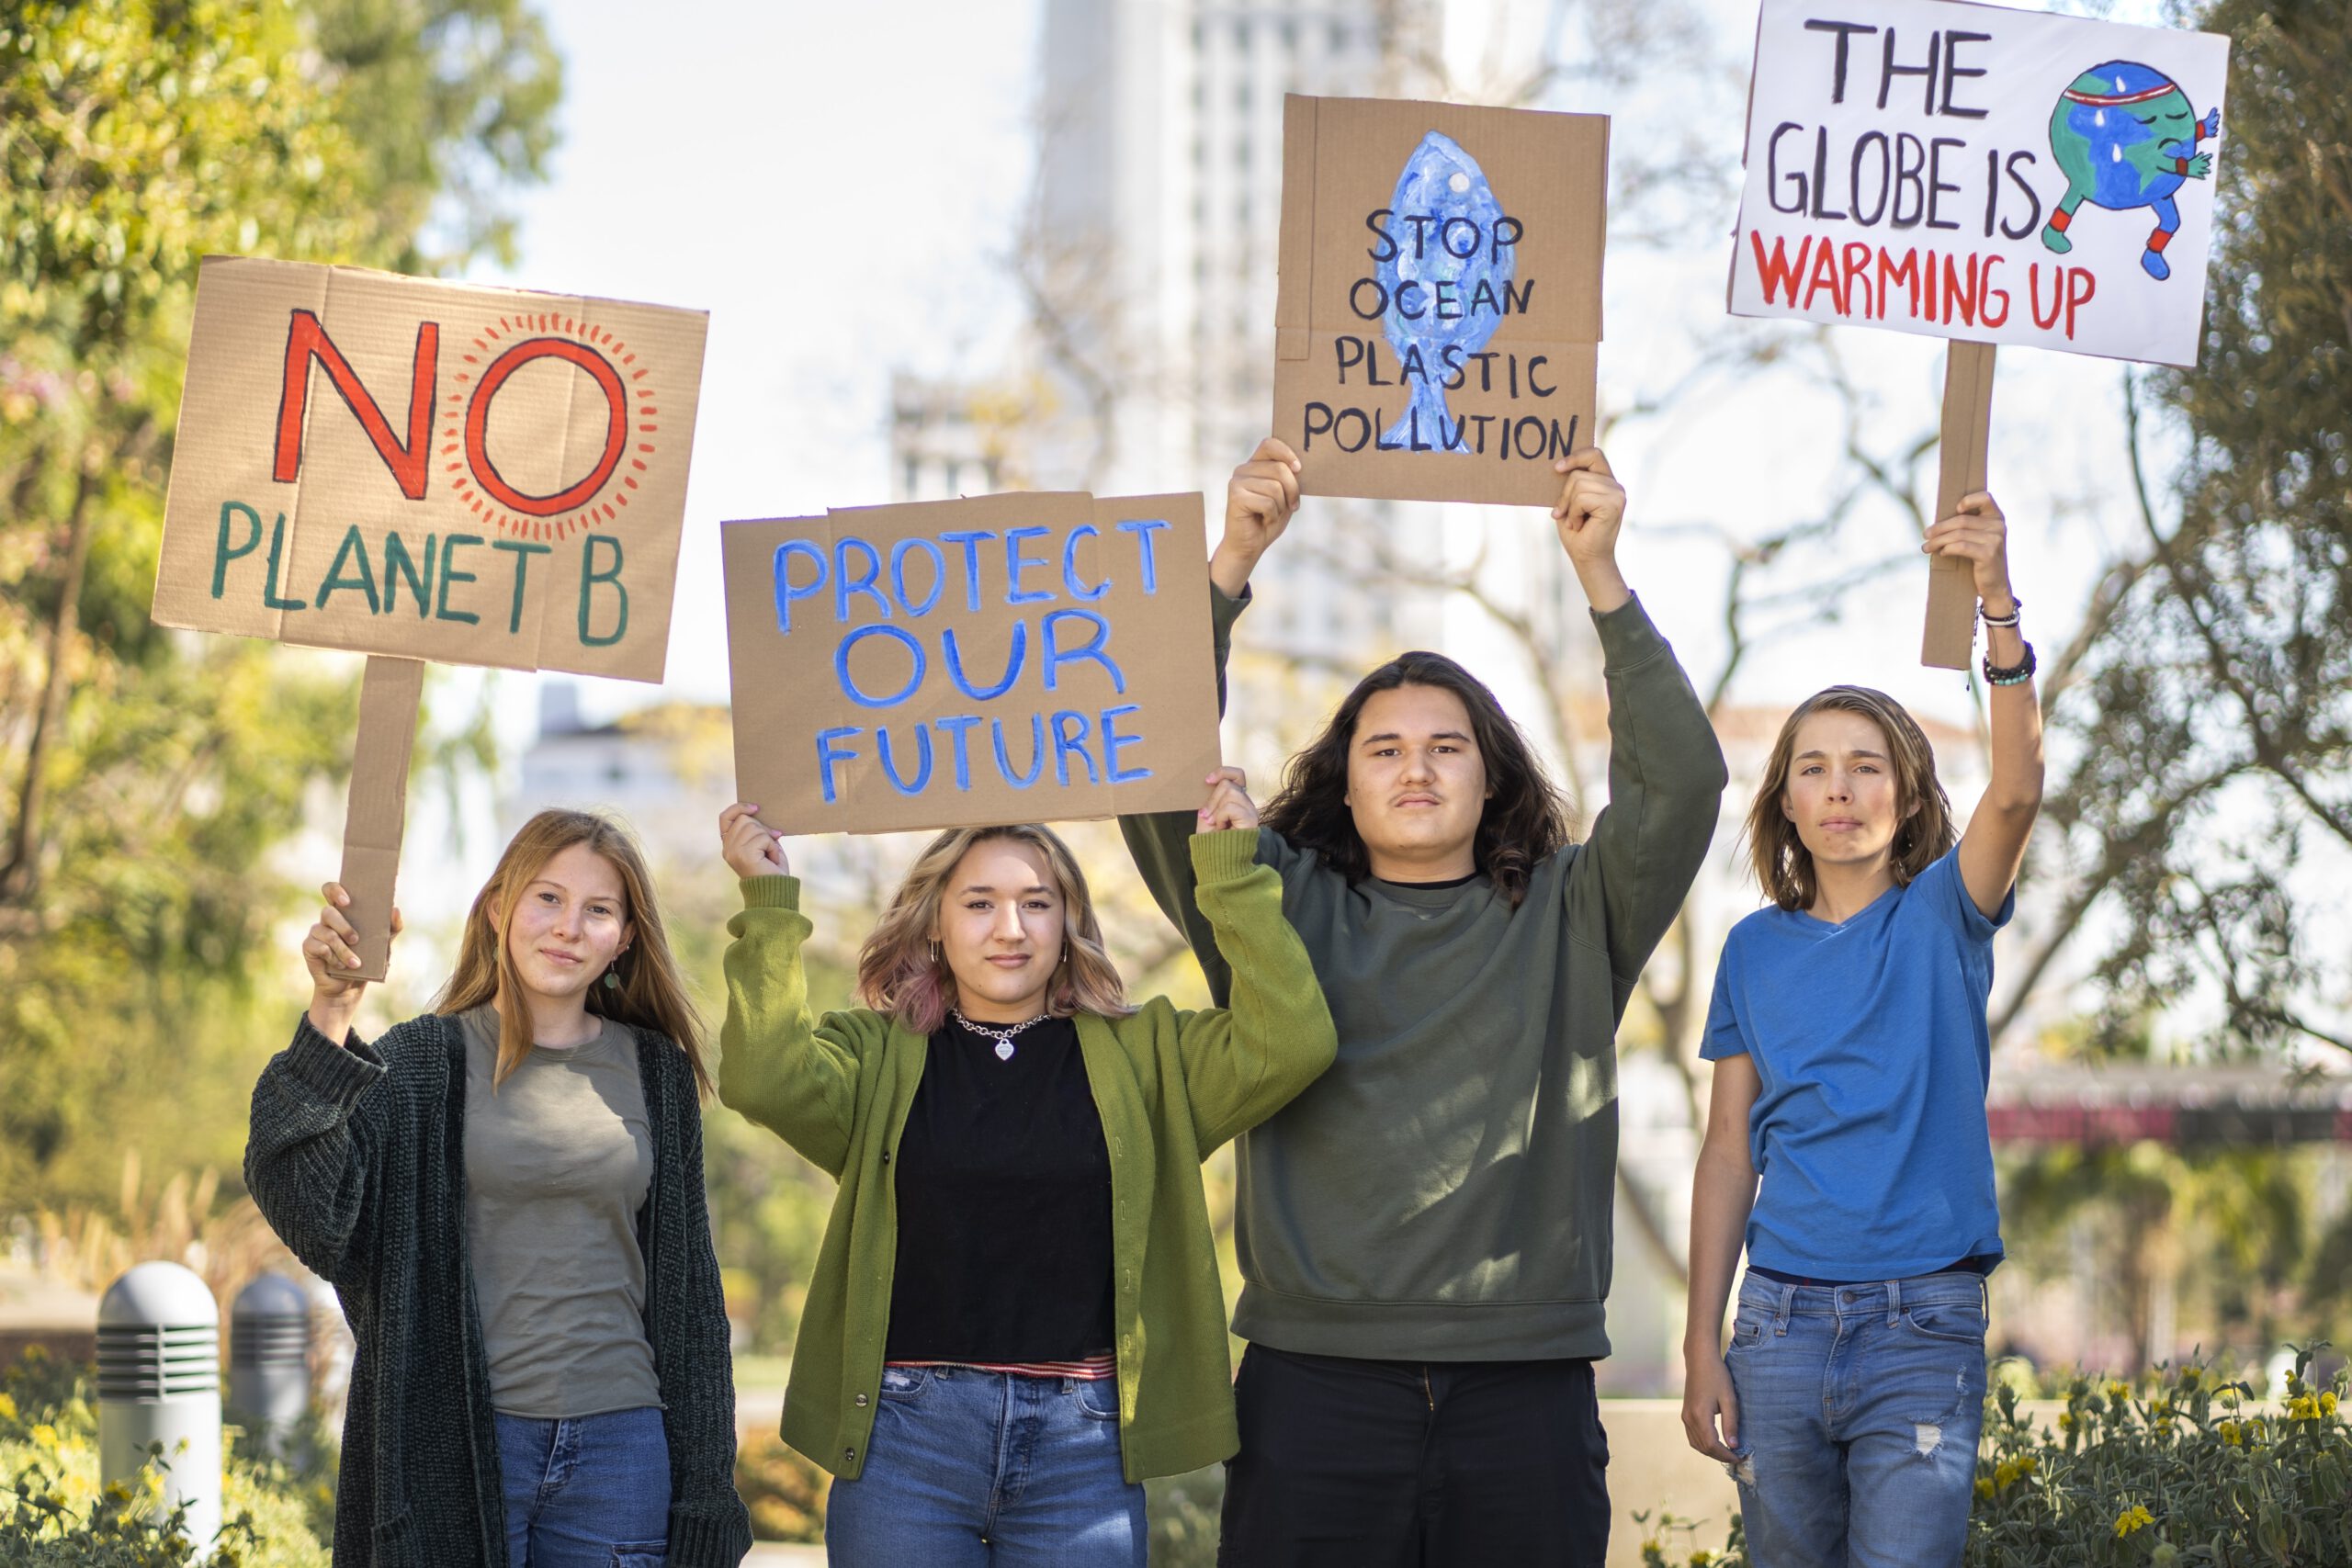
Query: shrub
53	1512
784	1492
2178	1469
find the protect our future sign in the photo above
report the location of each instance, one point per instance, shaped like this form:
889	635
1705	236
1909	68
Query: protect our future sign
1972	171
430	470
1009	657
1437	320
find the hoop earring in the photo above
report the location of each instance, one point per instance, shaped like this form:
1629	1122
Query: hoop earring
935	953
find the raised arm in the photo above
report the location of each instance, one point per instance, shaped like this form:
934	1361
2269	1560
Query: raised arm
316	1123
1260	501
778	1066
1666	769
1244	1061
1993	849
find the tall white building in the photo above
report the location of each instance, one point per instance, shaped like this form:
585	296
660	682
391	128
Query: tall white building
1150	267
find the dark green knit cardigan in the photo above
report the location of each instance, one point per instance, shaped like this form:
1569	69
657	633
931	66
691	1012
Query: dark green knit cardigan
358	1158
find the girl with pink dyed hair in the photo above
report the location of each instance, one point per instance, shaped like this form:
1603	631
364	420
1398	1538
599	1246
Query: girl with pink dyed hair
1015	1316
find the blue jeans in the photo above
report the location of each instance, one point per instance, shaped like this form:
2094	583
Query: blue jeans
589	1492
988	1469
1859	1407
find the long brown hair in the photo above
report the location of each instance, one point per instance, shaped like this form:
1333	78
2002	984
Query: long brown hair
1784	865
899	977
1524	819
652	993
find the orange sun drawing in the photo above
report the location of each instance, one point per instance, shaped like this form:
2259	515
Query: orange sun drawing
632	410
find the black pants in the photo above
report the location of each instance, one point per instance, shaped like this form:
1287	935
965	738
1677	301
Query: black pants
1349	1463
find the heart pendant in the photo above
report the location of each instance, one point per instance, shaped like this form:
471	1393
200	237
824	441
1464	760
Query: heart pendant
1004	1050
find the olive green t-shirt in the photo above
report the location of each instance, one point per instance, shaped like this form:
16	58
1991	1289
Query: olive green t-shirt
558	1159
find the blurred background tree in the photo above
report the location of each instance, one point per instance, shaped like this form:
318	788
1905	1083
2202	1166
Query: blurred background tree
2206	707
145	775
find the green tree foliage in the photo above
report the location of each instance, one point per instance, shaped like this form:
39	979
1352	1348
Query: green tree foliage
2210	701
145	775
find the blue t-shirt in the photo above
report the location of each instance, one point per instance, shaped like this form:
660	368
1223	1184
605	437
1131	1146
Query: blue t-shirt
1868	1038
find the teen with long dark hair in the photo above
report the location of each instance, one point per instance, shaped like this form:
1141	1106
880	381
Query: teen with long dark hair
1851	1056
506	1194
1015	1316
1424	1233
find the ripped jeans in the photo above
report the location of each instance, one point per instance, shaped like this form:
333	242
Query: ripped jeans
1858	1412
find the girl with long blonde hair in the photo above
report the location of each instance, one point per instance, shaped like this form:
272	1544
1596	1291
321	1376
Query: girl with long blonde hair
1015	1314
506	1194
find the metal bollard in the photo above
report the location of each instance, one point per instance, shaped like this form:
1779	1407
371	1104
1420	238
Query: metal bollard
159	1382
269	1360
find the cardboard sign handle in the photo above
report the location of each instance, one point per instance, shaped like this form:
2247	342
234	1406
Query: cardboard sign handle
1951	631
372	824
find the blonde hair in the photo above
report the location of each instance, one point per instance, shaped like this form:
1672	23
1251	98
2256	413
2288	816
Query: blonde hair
900	976
1783	866
652	993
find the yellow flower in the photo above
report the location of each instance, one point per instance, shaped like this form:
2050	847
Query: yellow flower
2232	1436
2230	1397
2188	1376
8	1407
2133	1518
2119	1391
2327	1402
118	1491
2065	1420
43	1435
1700	1558
2160	1409
2303	1407
1983	1490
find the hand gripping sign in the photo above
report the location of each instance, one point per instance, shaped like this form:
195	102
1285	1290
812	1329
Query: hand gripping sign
421	471
1982	175
1012	657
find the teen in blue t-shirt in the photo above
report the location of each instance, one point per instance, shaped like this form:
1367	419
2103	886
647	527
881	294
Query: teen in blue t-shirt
1846	1141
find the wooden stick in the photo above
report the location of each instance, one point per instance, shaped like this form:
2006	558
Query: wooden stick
1951	632
373	822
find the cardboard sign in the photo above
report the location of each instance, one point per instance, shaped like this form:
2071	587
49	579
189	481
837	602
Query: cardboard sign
1437	324
1971	172
1007	658
479	476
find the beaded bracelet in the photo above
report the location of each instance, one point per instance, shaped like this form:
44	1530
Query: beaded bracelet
2016	606
2014	676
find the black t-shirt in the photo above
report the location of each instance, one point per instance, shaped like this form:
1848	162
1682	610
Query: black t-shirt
1004	1184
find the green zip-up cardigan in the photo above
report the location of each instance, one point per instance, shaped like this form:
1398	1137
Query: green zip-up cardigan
357	1159
1171	1087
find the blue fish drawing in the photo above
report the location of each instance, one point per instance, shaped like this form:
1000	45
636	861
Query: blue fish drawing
1445	184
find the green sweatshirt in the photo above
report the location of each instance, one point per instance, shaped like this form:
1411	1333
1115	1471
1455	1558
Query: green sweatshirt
1444	1191
1171	1087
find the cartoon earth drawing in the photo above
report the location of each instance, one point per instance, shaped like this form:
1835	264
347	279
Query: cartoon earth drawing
2126	137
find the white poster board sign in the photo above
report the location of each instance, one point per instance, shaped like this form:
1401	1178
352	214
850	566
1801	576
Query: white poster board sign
1971	172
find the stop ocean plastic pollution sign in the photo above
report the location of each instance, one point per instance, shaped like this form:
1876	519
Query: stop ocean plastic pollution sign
1437	325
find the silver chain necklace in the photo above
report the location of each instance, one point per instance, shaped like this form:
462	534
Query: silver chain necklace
1004	1037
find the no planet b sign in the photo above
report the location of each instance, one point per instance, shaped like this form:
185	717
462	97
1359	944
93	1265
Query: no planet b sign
430	470
1976	172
